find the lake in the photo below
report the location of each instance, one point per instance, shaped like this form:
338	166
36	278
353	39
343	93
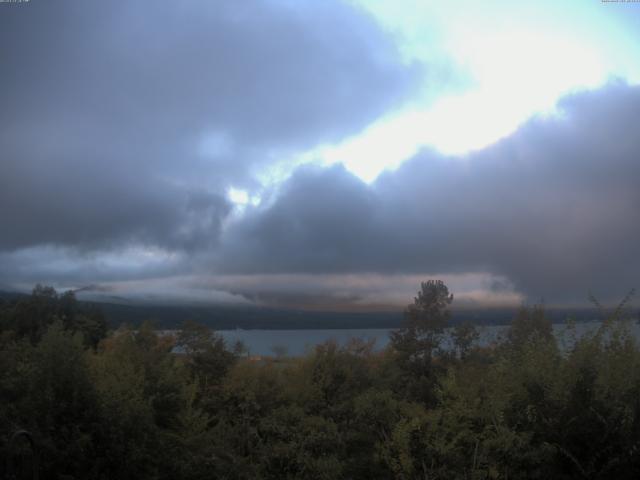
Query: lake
298	342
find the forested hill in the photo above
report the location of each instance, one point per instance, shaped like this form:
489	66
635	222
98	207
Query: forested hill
232	317
228	318
247	317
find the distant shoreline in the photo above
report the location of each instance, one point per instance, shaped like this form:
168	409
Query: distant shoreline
166	317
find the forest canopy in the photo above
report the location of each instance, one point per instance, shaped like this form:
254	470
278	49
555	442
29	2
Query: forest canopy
130	403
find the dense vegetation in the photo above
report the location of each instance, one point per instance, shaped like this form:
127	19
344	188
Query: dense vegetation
129	404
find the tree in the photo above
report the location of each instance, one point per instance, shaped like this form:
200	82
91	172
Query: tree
530	326
205	354
419	339
464	335
60	405
426	320
30	317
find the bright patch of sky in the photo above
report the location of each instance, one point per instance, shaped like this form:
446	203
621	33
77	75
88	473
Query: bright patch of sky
240	197
516	60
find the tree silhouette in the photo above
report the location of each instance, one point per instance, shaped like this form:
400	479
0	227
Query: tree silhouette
419	339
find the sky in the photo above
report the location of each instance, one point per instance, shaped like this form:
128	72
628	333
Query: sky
321	154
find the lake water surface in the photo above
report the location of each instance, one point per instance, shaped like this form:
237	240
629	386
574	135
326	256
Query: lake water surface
298	342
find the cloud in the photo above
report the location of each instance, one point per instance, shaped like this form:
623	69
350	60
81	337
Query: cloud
552	208
123	128
124	124
357	291
336	292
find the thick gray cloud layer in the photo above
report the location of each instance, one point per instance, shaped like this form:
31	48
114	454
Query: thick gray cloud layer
122	125
124	122
554	208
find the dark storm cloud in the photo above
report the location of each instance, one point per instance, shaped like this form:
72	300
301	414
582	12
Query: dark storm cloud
318	223
124	122
554	207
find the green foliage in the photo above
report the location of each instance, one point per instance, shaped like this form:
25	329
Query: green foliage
205	354
30	317
299	446
53	398
529	327
417	343
137	405
464	335
426	320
